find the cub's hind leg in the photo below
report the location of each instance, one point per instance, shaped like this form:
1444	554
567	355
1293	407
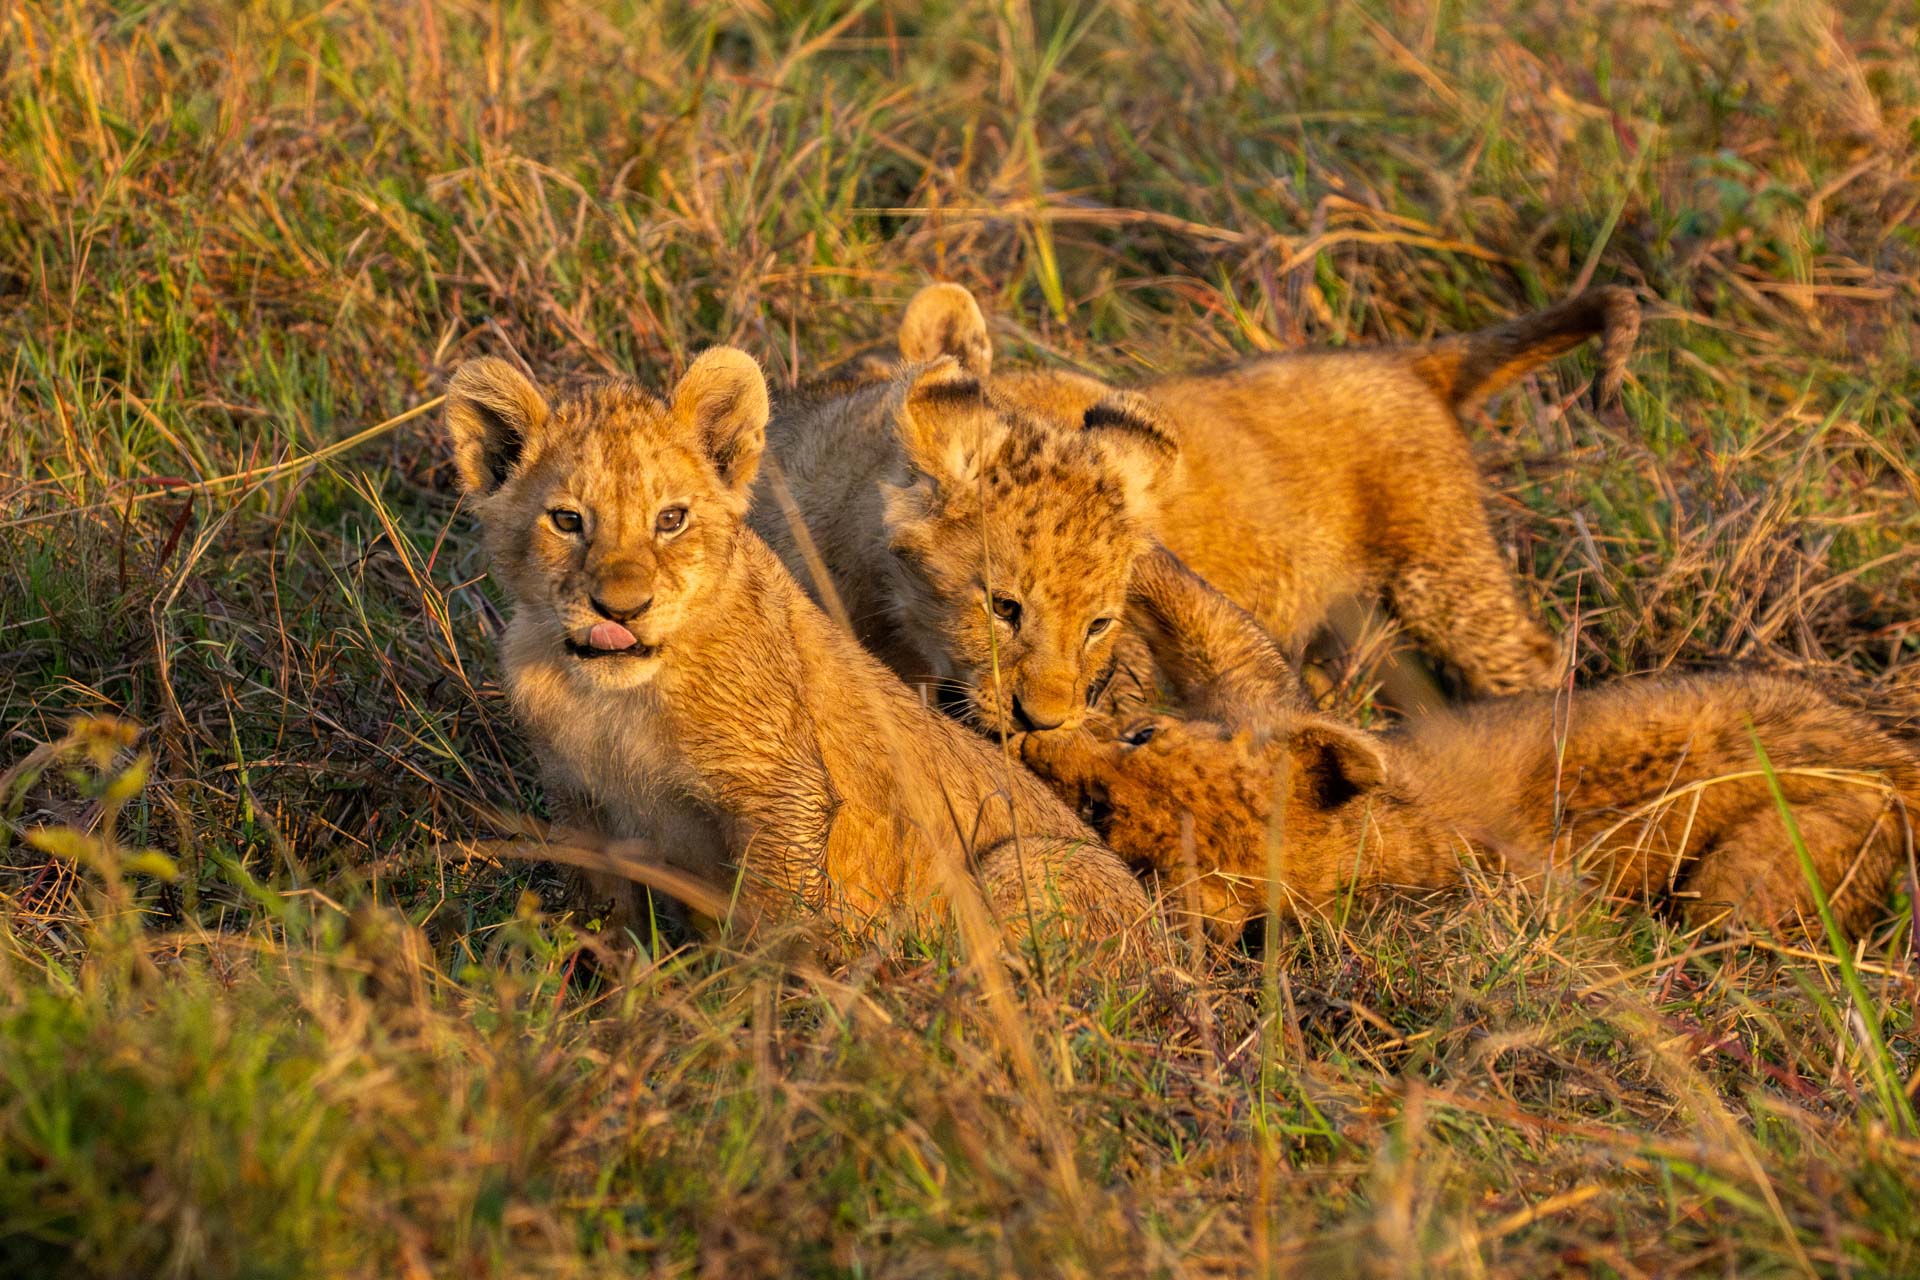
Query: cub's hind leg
1752	874
1456	597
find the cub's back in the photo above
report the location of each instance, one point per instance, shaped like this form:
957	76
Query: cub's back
832	443
1300	473
1349	435
1637	739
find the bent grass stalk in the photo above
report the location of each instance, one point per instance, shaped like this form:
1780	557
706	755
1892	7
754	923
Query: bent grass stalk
1888	1087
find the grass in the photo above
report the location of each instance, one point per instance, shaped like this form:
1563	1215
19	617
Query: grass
256	1020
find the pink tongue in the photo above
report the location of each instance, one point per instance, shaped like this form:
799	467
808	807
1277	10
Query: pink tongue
610	635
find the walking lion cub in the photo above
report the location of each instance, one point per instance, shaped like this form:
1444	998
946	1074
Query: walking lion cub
684	691
984	526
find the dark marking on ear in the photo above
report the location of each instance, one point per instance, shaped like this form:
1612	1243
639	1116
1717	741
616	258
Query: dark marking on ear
949	341
1336	764
1325	783
494	416
722	397
947	425
722	447
1130	429
719	408
945	320
1106	415
504	443
948	394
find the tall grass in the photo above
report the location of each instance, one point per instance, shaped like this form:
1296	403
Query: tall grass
256	1017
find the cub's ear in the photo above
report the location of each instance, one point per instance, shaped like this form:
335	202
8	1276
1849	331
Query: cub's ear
944	320
493	413
1136	436
723	397
947	425
1333	763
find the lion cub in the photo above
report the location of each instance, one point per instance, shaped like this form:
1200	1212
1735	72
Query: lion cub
1288	482
682	688
1652	786
977	549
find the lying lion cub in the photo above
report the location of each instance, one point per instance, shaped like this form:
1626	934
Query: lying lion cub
1650	785
682	688
989	530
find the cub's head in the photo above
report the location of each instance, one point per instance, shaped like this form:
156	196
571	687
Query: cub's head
1014	540
1194	801
608	514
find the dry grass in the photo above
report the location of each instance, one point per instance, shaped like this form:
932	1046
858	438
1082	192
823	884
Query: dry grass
303	1039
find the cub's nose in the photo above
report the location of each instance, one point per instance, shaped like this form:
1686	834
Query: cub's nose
620	587
1029	723
621	606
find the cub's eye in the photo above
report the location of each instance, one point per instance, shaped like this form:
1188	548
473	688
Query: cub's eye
672	520
1138	735
564	520
1098	627
1007	609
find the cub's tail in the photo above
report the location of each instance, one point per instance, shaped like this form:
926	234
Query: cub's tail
1467	368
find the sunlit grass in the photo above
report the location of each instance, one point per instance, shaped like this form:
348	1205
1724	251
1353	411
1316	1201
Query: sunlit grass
236	236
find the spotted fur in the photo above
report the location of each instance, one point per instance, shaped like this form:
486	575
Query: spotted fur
1650	788
931	501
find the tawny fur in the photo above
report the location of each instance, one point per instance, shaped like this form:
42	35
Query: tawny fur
1650	787
929	500
1197	647
1293	481
749	735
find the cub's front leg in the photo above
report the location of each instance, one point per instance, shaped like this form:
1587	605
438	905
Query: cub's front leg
1217	660
682	843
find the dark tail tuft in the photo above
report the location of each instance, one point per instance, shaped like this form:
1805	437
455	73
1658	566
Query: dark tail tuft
1469	367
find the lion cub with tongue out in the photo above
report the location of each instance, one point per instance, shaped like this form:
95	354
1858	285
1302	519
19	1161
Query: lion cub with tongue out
684	690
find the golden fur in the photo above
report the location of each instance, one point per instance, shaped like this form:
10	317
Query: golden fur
740	732
930	501
1201	649
1650	786
1286	481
